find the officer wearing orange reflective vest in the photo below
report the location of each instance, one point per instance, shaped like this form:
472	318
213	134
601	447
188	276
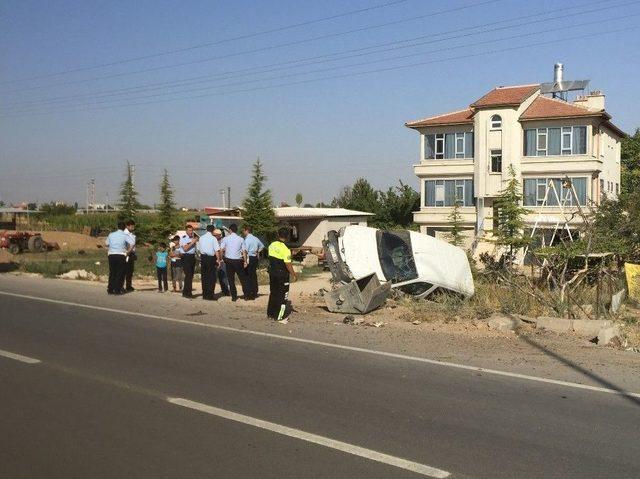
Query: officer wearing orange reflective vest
280	270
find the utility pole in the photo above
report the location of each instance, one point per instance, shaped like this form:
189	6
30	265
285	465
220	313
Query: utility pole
92	193
228	197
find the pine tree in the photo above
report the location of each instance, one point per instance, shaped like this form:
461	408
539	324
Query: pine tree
455	220
509	231
258	205
299	199
129	203
167	222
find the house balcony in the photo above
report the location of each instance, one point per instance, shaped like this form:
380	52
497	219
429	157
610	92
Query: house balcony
444	168
559	165
439	216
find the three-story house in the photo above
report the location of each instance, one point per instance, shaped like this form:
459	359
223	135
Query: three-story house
465	157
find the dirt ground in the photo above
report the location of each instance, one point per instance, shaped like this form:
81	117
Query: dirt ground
73	241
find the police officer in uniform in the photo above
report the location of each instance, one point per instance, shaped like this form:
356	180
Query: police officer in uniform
188	254
280	270
234	258
119	244
253	246
209	257
131	257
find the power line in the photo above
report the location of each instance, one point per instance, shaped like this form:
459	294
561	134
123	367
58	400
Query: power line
113	104
255	50
209	44
319	59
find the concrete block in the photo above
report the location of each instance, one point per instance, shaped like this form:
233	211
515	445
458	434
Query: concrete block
498	322
589	327
606	335
558	325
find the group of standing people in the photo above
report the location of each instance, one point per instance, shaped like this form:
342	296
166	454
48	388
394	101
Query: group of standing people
221	260
220	257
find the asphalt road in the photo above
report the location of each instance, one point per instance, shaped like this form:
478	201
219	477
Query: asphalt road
98	404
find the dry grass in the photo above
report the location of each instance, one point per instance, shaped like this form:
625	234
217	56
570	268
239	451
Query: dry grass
496	297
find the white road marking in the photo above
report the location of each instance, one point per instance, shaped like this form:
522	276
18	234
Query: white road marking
405	357
19	357
314	438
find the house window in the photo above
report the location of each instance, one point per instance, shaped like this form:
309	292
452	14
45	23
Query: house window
439	146
566	140
602	192
554	191
446	146
459	145
496	122
541	148
448	192
496	161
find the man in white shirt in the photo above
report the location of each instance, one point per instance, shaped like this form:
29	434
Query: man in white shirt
209	256
131	257
234	258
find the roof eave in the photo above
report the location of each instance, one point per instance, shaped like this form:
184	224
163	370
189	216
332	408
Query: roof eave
449	123
564	117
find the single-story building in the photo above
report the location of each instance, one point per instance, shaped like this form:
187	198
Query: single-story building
309	226
11	218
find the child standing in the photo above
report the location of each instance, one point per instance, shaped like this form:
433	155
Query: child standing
176	264
161	268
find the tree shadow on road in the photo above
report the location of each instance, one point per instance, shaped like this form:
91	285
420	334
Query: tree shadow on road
629	396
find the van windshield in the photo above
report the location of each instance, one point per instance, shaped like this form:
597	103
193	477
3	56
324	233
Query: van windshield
396	256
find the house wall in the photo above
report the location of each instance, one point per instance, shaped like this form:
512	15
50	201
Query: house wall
312	231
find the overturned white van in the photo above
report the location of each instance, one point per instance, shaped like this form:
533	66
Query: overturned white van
415	263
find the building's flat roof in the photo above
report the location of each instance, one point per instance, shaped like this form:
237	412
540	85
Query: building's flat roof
300	212
17	210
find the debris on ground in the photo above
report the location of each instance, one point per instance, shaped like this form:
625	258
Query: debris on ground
197	313
376	324
349	319
617	300
80	274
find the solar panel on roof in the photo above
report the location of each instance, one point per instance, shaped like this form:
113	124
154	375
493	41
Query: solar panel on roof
568	85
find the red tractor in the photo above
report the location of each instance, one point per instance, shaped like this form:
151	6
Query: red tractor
18	241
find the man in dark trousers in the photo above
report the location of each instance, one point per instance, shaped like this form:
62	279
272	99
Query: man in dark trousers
222	268
188	253
280	270
131	258
234	258
209	256
253	246
119	244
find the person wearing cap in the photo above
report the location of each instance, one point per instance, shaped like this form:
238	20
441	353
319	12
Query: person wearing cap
280	272
234	258
222	268
209	257
253	246
188	254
